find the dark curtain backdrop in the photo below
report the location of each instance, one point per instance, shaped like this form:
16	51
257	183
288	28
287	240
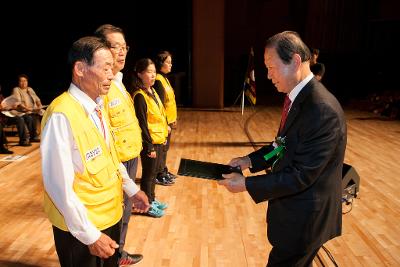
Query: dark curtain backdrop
36	38
356	39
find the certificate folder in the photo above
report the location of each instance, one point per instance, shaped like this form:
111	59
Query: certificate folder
206	170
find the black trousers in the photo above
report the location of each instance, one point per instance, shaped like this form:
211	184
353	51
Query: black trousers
163	164
3	139
26	126
150	168
73	253
285	258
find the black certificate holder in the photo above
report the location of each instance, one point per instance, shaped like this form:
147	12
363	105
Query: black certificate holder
206	170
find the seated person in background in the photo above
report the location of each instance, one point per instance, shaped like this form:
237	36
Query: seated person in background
29	103
3	140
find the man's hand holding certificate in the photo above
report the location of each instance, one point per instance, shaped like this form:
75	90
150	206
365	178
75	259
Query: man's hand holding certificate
235	182
206	170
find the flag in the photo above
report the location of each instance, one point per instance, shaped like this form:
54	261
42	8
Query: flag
250	79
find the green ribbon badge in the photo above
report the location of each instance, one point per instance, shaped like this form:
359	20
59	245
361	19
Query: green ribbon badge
279	151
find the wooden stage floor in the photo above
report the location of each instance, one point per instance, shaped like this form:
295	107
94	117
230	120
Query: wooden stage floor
205	225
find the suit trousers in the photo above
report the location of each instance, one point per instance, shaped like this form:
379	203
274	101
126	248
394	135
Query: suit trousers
285	258
131	167
73	253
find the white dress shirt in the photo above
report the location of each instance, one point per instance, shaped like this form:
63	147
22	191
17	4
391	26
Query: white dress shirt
61	159
118	81
296	90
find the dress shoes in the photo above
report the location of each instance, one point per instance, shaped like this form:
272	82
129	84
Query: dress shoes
24	143
4	150
35	140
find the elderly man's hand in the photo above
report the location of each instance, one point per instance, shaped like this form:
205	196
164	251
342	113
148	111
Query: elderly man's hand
234	182
243	162
104	247
140	202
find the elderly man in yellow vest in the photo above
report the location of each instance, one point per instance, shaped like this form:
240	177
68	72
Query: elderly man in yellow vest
83	177
128	137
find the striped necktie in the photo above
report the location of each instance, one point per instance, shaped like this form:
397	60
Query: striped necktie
98	111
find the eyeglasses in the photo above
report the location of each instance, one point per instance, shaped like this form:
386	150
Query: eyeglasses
119	48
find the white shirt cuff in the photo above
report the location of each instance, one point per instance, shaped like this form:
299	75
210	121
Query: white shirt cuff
89	236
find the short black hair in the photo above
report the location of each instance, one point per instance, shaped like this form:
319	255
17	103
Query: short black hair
105	29
84	49
23	76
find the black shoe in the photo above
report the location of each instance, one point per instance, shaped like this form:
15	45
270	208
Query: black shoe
163	180
5	151
129	259
25	143
35	140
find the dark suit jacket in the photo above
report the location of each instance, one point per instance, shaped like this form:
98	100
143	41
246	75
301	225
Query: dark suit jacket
304	189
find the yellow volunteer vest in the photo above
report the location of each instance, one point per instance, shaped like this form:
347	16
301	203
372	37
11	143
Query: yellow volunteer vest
124	124
99	187
170	104
156	118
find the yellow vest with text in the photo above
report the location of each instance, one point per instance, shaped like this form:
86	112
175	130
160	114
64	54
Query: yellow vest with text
170	104
124	124
99	187
156	118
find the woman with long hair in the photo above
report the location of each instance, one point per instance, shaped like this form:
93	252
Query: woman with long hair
153	123
164	89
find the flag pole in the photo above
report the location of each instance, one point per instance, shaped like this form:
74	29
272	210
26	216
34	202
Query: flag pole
248	80
238	97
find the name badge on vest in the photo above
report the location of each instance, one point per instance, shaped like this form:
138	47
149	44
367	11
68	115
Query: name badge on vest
91	154
114	103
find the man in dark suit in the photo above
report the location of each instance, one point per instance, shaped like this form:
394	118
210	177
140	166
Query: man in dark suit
303	187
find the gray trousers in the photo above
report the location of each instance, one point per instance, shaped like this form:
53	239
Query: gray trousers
131	167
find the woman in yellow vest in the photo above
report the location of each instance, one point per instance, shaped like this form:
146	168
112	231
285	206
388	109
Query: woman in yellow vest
164	89
152	119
